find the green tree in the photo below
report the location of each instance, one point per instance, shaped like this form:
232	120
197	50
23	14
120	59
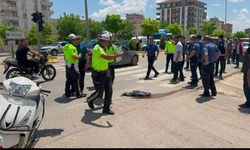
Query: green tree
163	24
4	28
207	28
32	35
94	28
114	24
127	32
240	34
69	24
192	31
47	34
175	29
218	32
149	27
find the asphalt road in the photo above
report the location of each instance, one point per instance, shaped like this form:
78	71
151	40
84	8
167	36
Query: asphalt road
70	123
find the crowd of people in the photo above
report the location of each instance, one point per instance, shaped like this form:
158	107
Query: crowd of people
208	56
200	54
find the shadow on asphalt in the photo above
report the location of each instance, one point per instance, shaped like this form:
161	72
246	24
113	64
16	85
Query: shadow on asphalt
244	110
44	133
90	116
203	99
63	100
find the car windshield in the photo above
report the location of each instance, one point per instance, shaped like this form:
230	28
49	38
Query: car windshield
54	44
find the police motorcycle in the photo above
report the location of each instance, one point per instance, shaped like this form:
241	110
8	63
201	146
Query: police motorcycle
13	69
22	107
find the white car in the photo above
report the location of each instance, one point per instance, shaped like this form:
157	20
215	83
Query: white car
246	45
54	49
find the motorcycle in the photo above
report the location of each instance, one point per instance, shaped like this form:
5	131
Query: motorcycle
13	69
22	108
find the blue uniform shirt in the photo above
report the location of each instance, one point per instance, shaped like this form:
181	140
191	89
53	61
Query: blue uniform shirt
196	48
151	49
211	49
201	50
82	49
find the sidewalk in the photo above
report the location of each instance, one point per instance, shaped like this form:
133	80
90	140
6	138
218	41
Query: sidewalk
166	120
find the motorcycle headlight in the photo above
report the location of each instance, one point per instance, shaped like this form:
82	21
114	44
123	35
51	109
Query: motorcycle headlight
18	90
25	119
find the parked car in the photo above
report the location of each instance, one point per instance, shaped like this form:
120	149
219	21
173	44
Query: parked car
54	49
246	45
130	57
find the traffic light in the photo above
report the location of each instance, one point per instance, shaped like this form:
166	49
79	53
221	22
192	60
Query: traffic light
38	18
35	17
40	22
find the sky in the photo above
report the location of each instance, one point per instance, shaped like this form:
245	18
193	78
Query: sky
238	10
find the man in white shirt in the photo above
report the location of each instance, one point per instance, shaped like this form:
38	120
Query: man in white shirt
178	59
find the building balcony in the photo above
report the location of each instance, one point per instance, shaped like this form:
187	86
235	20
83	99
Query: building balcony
8	8
9	18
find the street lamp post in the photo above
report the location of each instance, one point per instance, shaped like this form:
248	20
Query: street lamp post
225	13
87	19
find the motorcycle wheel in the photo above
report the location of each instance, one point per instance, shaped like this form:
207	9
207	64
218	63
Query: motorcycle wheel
48	73
12	73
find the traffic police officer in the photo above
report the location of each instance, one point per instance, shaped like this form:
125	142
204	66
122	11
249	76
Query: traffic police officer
101	75
169	51
72	71
209	56
112	50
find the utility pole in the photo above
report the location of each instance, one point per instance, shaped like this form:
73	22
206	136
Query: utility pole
38	33
225	13
87	19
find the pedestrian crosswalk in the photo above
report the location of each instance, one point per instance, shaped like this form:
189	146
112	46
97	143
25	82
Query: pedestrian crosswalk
136	74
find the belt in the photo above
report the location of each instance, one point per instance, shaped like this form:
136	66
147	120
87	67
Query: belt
100	71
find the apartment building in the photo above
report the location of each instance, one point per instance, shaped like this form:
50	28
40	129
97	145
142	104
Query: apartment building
18	12
218	23
187	13
228	27
136	20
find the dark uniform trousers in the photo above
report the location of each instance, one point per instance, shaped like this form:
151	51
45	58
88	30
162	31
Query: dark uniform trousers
194	65
112	71
222	62
170	56
82	64
178	68
151	61
103	83
72	81
208	79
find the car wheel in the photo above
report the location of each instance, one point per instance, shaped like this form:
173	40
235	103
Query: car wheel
54	52
134	60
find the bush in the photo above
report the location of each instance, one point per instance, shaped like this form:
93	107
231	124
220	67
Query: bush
1	42
132	44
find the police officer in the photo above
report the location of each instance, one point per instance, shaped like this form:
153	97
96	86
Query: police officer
209	56
83	63
169	51
72	70
151	49
222	60
101	75
112	50
193	57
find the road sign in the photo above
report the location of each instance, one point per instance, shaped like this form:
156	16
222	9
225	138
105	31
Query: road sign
11	43
11	35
